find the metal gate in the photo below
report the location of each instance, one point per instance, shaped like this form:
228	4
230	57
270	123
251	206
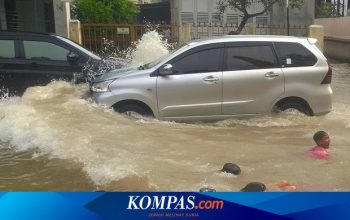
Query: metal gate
96	36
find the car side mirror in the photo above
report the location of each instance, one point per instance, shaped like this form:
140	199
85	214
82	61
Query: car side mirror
166	69
72	58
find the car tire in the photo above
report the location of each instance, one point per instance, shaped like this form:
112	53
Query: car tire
132	110
297	106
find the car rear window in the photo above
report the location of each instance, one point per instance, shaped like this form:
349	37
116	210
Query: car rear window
7	49
250	57
294	55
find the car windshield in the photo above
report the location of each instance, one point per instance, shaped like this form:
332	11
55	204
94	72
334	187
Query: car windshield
94	56
159	60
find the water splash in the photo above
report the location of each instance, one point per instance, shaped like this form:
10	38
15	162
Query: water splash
150	47
49	119
4	93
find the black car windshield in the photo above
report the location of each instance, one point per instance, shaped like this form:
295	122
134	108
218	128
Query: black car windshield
89	53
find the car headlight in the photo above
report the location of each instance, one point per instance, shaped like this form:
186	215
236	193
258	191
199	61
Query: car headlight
101	86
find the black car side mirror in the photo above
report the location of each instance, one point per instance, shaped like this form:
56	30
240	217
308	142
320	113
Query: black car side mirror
72	58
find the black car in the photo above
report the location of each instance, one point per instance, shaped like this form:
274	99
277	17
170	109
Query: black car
33	59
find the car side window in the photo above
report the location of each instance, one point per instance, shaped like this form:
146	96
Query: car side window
199	62
7	49
294	55
38	50
250	57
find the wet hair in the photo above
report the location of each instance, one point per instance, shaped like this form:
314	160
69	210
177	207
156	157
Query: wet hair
231	168
319	135
205	189
254	187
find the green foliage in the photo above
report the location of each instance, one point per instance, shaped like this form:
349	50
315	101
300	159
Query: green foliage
105	11
326	10
124	10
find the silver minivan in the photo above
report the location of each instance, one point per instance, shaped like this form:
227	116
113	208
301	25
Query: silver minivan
222	77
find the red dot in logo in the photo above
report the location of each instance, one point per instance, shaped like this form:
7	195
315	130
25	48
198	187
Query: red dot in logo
196	207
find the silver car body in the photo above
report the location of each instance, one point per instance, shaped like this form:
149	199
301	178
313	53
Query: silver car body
219	94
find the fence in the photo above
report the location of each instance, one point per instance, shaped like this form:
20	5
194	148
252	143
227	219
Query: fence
206	30
95	36
294	30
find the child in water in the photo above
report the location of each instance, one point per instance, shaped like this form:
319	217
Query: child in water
320	151
284	185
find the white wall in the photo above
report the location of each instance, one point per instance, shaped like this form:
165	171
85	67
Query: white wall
62	17
190	9
335	27
204	11
302	17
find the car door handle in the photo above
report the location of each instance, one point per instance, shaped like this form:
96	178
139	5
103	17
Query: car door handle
271	75
210	79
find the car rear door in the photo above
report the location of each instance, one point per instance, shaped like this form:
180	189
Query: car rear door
252	78
195	87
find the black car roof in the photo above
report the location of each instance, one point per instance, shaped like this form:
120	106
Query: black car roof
24	33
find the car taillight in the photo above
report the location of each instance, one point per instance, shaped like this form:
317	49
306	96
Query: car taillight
328	78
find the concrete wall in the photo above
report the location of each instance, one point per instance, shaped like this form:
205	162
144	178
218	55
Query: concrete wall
303	17
337	37
339	27
75	31
337	48
62	17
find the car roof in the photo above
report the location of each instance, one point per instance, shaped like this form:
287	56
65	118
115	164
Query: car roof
235	38
24	33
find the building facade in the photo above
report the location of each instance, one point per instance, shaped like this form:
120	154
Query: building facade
35	15
205	11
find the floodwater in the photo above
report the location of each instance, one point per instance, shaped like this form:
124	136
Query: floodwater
55	139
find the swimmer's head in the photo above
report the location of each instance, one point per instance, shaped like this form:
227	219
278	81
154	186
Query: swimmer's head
231	168
254	187
321	138
206	189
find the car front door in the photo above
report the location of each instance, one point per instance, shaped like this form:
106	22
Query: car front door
10	68
252	78
46	61
195	86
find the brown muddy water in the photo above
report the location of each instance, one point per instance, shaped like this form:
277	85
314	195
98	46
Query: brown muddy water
56	139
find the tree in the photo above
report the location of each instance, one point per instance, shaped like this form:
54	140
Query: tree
326	10
243	6
104	11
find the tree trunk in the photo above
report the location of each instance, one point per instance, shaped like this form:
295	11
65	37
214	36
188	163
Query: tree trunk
240	26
